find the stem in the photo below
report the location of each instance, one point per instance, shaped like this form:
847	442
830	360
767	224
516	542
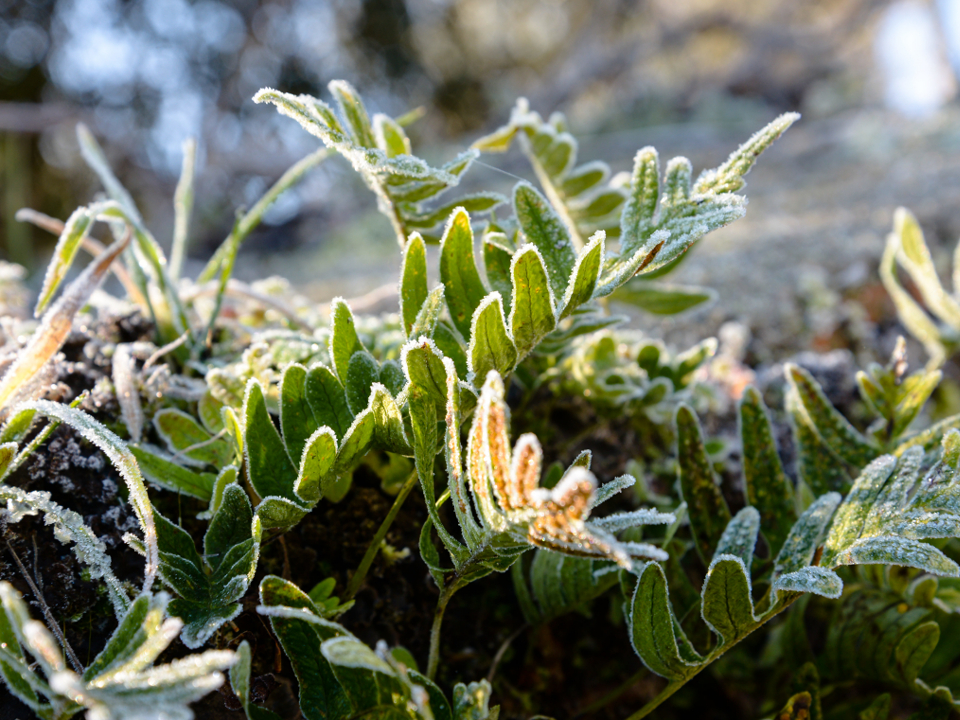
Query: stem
374	547
434	658
252	218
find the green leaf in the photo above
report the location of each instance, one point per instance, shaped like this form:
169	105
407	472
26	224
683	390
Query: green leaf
7	453
343	338
463	288
269	468
362	373
240	683
914	393
228	475
708	510
353	111
423	365
367	679
806	534
542	226
319	456
585	177
496	261
18	678
392	377
173	477
356	443
740	536
423	421
390	136
878	709
75	230
473	202
230	525
388	423
839	435
491	347
321	695
429	315
915	649
729	176
531	315
297	420
727	606
180	431
661	298
767	487
327	399
450	343
413	280
654	632
584	277
819	467
127	637
853	513
279	512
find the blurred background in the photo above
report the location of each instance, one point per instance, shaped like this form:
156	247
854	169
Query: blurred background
876	82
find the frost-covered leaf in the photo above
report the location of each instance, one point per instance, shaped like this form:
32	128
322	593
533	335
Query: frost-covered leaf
269	467
54	328
68	527
189	440
491	347
122	681
532	311
583	277
300	629
655	634
380	153
75	230
824	420
327	399
343	338
739	537
727	605
708	510
767	487
297	421
210	586
128	390
891	511
168	475
806	535
497	259
362	373
463	288
413	280
543	227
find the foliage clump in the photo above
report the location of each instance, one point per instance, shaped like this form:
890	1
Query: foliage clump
239	436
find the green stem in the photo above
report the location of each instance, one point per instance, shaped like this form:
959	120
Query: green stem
251	219
374	548
442	603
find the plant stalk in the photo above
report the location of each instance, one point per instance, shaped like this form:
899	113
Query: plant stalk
374	547
434	658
